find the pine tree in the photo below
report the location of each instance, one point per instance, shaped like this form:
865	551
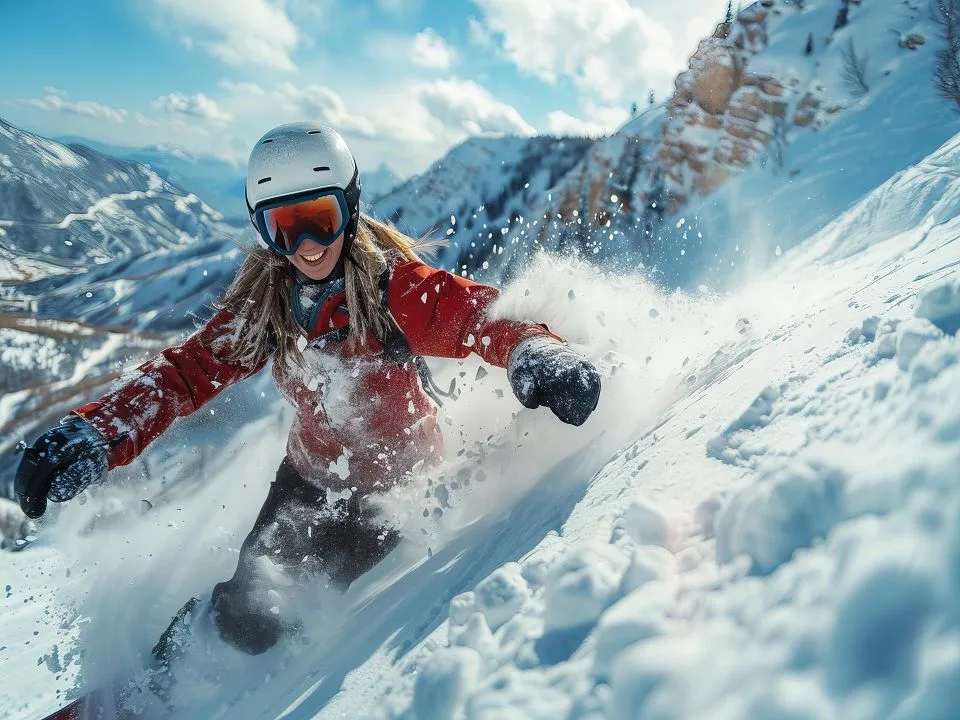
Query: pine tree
633	109
842	15
728	21
946	13
809	49
652	98
854	71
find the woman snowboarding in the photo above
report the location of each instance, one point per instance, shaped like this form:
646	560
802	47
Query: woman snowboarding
347	311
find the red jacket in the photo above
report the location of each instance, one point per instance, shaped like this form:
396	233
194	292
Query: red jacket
362	420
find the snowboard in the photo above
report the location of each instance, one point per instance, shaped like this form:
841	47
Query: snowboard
101	704
170	646
73	711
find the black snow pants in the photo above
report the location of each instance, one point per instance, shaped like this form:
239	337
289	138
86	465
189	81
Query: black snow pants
297	534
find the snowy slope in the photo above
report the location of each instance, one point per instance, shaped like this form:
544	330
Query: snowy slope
761	521
63	209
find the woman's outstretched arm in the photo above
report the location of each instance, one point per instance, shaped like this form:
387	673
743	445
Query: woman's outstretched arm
443	315
175	383
116	428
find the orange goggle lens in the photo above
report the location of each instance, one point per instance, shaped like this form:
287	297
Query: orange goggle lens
321	219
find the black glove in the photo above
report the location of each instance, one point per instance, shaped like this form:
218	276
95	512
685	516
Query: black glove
543	371
61	463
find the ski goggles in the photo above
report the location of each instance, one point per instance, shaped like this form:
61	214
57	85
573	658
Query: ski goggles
320	216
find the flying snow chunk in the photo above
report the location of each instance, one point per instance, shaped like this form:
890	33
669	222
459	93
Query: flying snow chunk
341	468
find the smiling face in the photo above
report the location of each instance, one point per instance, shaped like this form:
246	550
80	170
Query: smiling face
316	261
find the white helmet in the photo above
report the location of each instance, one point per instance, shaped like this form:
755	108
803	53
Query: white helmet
300	158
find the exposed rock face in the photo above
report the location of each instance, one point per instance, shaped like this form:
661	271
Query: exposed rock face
912	41
722	115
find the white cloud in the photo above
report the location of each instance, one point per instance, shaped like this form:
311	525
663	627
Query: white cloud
611	49
144	120
564	124
598	120
51	90
322	103
431	51
479	34
195	106
54	101
238	32
466	105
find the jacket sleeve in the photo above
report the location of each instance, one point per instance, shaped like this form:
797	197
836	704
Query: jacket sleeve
444	315
175	383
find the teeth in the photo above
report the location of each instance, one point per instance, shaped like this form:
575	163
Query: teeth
313	258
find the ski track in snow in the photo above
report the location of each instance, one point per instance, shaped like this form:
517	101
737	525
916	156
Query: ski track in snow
762	520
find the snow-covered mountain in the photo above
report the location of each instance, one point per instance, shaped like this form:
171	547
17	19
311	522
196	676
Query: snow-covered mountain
64	209
813	137
379	182
479	188
215	181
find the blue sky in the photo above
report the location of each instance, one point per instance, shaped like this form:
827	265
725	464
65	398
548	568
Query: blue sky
403	79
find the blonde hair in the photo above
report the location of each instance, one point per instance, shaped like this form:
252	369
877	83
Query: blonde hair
259	295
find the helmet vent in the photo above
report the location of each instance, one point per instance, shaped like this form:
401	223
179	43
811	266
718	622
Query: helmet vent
321	168
268	140
261	181
313	132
